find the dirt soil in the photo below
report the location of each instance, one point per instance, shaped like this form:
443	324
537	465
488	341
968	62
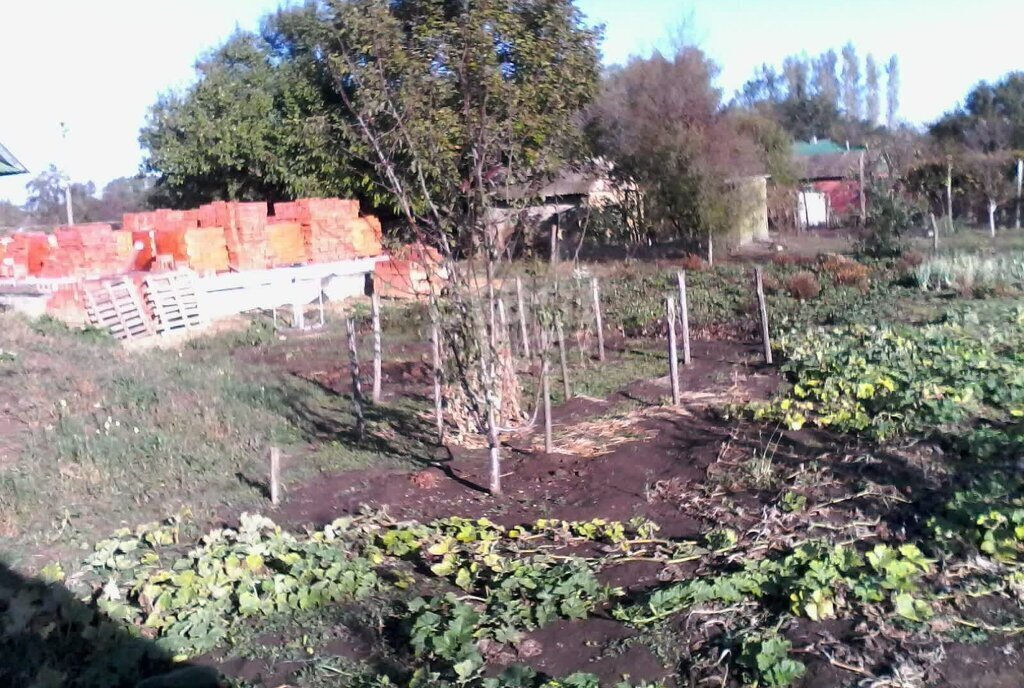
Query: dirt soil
682	450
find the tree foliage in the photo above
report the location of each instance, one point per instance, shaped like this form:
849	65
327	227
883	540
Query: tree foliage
991	119
661	122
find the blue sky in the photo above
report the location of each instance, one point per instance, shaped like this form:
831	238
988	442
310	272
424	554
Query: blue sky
98	64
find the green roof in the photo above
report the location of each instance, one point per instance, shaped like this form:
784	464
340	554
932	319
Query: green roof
806	149
9	164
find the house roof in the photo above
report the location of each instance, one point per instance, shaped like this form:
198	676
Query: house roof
9	164
805	149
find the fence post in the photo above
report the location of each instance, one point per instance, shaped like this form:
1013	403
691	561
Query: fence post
545	373
435	345
357	388
563	356
375	312
523	331
673	360
596	289
763	308
275	476
684	317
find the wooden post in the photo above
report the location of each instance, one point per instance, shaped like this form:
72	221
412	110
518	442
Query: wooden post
493	450
523	330
1020	189
935	234
711	251
673	360
545	376
763	307
596	289
320	302
949	194
435	345
375	314
357	388
503	321
275	476
684	317
567	387
863	198
554	240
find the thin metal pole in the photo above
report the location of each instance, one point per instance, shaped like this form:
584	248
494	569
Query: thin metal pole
673	361
763	308
523	331
545	374
684	317
275	476
435	343
357	388
566	385
375	314
596	289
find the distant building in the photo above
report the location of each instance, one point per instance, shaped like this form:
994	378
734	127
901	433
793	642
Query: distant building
830	183
9	164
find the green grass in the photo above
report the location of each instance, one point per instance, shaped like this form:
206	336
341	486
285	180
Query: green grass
107	437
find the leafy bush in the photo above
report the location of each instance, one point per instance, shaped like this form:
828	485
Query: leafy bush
803	286
889	216
845	271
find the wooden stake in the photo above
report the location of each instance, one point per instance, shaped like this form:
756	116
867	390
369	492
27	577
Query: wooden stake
763	308
673	359
357	388
435	344
375	313
493	450
684	317
545	376
863	197
949	194
597	317
563	356
503	321
935	233
275	476
523	331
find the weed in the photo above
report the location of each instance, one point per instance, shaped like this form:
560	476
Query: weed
803	286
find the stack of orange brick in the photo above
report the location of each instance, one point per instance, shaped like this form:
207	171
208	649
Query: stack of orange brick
409	272
87	250
203	249
286	244
332	229
24	254
245	232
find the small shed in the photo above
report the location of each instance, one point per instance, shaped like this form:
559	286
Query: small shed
830	185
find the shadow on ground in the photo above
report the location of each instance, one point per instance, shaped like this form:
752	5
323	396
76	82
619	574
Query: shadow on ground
50	638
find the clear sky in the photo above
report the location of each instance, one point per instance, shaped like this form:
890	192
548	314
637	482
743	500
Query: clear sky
98	65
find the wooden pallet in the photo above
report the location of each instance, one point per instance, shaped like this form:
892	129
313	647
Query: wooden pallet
175	303
115	306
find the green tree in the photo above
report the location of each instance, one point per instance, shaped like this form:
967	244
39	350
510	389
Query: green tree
258	124
991	119
661	122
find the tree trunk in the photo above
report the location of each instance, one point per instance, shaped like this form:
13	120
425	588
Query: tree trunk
554	240
992	218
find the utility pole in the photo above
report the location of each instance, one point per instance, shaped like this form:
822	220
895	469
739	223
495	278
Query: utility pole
66	178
